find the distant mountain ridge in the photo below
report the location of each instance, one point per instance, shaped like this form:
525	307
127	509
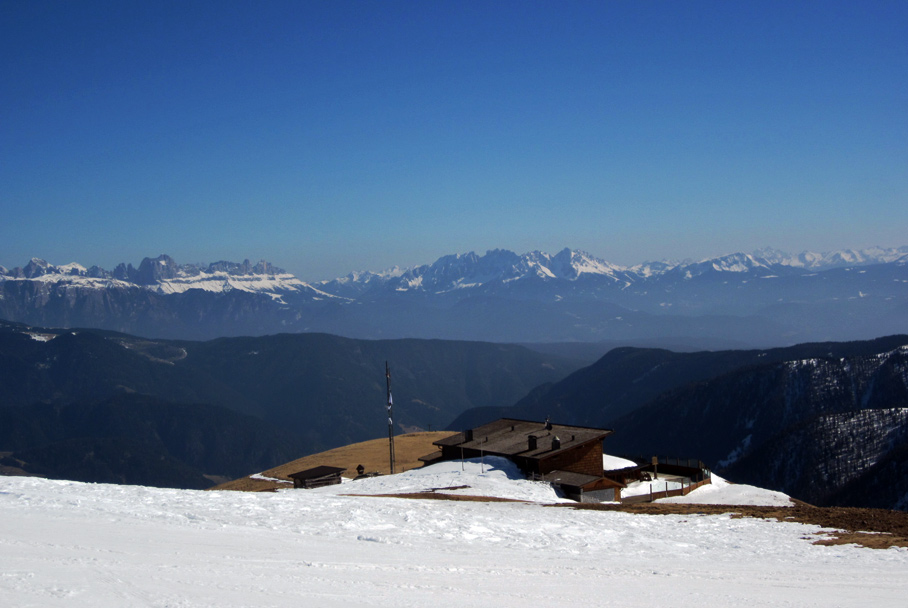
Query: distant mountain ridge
471	270
759	298
163	275
457	271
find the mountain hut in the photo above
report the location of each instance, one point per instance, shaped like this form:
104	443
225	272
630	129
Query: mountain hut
317	477
569	457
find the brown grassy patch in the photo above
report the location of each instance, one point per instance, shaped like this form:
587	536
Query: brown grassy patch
373	455
871	541
432	495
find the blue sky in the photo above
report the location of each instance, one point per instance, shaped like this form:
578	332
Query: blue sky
335	136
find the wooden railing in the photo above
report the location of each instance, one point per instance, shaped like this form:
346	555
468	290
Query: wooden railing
684	490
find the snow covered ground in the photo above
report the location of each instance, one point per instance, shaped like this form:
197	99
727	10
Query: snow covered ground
718	492
491	476
721	492
68	544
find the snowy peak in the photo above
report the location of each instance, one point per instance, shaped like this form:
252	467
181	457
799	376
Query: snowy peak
767	260
571	264
460	271
154	271
736	263
500	266
811	260
36	267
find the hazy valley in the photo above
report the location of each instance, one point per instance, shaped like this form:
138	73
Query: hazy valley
101	406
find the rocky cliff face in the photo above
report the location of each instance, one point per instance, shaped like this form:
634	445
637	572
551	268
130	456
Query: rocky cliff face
816	459
807	427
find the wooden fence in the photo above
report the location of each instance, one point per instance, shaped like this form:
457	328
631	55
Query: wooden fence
684	490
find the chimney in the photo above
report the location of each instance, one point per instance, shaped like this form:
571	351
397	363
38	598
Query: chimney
531	441
548	424
556	443
468	435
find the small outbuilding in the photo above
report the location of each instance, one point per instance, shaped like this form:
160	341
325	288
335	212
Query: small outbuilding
317	477
585	488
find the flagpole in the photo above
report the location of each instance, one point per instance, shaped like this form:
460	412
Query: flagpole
390	418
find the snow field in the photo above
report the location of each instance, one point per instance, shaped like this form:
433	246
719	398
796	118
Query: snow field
490	476
721	492
68	544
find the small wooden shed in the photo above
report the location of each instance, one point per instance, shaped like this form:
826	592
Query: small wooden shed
585	488
317	477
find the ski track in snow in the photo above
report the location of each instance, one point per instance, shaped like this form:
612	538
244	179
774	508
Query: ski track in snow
68	544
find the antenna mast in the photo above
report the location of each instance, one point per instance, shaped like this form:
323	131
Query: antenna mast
390	417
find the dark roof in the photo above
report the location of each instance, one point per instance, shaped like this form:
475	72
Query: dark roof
320	471
577	480
510	437
432	458
569	478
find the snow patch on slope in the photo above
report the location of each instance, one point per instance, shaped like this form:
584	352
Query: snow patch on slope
489	476
722	492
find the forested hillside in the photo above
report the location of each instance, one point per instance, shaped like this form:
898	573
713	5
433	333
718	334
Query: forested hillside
74	402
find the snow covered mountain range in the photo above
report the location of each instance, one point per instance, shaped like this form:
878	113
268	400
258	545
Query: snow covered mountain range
163	275
459	271
498	296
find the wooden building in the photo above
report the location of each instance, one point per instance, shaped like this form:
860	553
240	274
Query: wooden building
317	477
569	457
